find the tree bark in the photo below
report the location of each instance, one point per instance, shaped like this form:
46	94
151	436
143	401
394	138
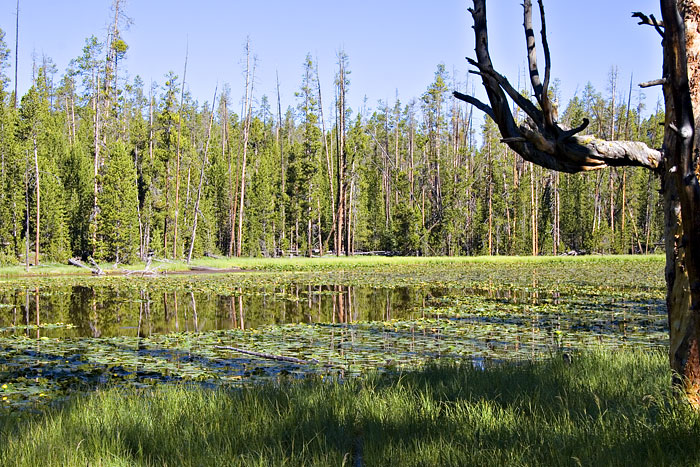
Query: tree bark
682	190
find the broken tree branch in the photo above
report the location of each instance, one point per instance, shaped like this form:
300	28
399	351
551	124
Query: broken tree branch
654	82
531	49
523	102
279	358
649	21
76	262
475	102
540	139
569	133
545	102
98	269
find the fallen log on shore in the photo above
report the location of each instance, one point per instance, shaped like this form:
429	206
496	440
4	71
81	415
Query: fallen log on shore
96	270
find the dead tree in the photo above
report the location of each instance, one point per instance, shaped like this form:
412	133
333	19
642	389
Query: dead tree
542	140
201	181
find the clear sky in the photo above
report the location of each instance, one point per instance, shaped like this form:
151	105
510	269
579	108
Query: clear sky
392	45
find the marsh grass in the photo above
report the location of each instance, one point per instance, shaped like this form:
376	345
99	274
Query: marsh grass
602	409
330	262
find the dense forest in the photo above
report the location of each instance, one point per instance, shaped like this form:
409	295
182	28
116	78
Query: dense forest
95	164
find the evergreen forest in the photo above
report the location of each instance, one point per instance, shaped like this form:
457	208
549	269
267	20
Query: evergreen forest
95	164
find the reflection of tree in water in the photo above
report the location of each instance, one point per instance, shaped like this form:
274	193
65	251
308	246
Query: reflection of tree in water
106	311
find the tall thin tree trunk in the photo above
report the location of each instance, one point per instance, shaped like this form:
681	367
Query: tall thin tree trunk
26	200
14	99
201	181
38	204
533	208
177	157
96	167
611	192
138	205
246	132
283	177
329	165
489	163
557	213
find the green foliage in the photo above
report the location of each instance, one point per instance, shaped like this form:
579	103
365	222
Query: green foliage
420	176
117	231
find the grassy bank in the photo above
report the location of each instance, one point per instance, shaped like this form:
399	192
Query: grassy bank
322	263
602	409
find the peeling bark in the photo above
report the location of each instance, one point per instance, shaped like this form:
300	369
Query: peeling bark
682	95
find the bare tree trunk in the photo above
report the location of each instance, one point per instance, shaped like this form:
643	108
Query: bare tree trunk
543	141
349	230
14	99
282	164
201	181
533	209
246	132
38	204
489	163
138	205
556	232
177	159
342	218
682	190
226	152
611	192
26	200
329	164
320	238
96	167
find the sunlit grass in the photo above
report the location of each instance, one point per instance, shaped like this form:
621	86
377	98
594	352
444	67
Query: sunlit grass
327	262
602	409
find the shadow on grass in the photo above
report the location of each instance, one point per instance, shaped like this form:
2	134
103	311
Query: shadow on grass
600	409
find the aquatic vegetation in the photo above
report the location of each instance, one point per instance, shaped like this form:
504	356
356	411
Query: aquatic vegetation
60	335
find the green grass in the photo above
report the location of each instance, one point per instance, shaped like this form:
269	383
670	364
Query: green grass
325	263
603	409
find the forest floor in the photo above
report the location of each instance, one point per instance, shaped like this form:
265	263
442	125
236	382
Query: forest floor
592	408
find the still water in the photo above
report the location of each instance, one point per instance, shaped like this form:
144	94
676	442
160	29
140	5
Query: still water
59	339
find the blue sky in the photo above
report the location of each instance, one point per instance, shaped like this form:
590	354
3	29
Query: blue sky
392	45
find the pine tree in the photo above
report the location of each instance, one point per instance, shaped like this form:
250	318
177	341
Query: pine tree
117	232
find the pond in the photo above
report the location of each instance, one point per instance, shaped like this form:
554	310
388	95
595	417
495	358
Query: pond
61	335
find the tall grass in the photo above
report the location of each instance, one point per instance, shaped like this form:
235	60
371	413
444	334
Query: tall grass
602	409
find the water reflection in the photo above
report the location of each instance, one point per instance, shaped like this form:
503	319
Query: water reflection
107	312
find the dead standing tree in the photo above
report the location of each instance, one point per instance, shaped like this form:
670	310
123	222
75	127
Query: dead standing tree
541	140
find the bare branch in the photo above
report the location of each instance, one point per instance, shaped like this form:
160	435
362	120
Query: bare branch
499	103
520	100
531	50
476	103
569	133
517	139
539	139
545	102
649	21
655	82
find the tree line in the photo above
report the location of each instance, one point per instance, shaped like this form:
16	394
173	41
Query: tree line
93	164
